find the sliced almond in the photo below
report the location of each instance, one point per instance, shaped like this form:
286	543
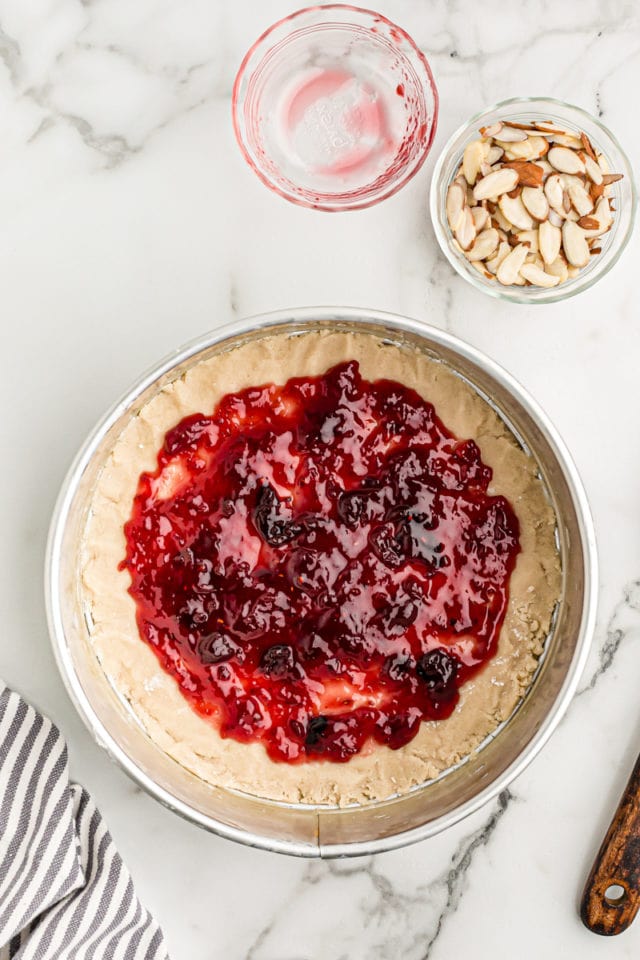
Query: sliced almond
554	190
549	240
524	150
480	267
603	163
558	269
588	223
518	126
555	218
510	267
573	180
539	145
602	214
580	199
491	131
494	154
509	134
501	222
495	184
486	243
530	238
593	170
566	202
548	128
472	158
466	231
529	174
565	160
567	140
538	277
586	143
456	198
481	218
535	202
495	261
515	211
574	244
611	178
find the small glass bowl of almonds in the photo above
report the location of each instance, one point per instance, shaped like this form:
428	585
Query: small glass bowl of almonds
533	200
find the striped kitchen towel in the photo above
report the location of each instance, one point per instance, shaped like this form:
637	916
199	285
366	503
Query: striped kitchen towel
65	893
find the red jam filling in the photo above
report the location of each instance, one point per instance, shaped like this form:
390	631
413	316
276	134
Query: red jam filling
319	565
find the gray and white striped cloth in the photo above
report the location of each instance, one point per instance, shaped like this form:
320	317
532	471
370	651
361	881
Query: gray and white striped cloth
65	893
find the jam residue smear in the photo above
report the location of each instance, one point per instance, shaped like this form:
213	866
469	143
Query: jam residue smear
337	124
319	565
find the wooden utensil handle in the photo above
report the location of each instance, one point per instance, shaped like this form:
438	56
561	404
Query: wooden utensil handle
605	909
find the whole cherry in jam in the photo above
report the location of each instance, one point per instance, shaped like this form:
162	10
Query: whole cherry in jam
319	565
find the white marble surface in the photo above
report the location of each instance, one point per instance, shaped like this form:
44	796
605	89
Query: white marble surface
130	223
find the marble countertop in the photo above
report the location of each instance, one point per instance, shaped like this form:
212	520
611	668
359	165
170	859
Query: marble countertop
130	223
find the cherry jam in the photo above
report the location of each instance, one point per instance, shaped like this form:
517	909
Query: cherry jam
319	565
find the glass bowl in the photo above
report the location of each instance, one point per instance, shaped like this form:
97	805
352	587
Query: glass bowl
623	194
335	107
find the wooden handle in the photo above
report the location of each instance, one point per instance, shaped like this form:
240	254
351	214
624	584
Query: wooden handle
611	896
